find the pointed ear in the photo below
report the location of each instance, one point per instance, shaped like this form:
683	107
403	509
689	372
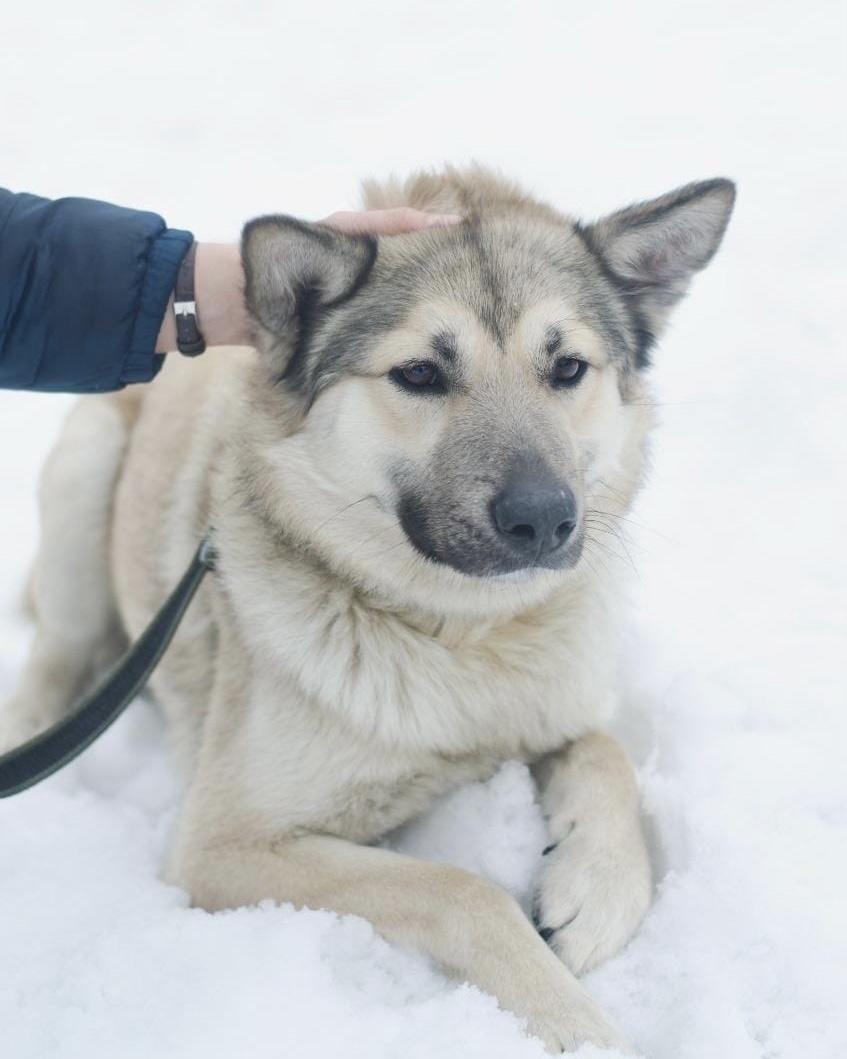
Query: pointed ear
292	271
652	249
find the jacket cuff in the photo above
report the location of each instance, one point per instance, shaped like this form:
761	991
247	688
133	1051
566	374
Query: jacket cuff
163	262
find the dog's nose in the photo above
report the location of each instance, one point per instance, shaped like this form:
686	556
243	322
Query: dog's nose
535	521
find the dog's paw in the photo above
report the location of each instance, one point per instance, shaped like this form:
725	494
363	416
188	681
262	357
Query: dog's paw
582	1023
557	1010
593	891
572	1036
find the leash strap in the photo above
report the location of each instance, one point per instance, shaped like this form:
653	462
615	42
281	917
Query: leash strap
47	752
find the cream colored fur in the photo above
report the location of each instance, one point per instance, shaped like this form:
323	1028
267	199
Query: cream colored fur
328	681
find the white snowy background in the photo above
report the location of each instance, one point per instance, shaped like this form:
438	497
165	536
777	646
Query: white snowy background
735	689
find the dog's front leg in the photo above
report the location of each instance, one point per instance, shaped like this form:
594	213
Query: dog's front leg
594	888
473	929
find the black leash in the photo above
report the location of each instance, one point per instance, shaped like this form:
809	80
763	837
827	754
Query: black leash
46	753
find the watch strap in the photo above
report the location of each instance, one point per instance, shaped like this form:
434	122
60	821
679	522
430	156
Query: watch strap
189	340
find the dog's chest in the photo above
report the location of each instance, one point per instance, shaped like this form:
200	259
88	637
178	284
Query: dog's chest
357	720
518	689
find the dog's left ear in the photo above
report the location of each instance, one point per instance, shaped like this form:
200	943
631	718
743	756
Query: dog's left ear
652	249
293	270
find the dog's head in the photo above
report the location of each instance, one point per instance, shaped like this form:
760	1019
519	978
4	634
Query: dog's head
464	406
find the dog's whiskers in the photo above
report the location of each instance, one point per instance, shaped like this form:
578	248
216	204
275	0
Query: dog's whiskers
347	507
603	523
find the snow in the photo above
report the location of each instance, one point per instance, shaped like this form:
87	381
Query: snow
734	672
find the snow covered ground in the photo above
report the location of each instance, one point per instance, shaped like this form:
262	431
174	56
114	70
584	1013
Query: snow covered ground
213	111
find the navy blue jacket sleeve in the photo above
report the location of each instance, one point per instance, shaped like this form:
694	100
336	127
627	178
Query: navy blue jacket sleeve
84	286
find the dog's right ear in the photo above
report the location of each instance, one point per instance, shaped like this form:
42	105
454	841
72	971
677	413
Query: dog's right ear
292	271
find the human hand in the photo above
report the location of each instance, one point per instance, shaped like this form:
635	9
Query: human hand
388	222
219	278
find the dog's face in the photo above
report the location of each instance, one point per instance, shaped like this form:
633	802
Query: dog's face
470	400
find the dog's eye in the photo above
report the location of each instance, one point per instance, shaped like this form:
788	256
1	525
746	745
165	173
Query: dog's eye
423	374
420	375
567	371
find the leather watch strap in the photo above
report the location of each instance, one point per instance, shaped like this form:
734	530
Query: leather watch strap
189	340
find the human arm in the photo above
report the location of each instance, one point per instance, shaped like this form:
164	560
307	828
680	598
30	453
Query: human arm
83	288
86	290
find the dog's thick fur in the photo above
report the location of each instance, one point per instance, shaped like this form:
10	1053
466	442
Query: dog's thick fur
378	630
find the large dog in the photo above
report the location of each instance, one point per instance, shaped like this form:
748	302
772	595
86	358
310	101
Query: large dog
413	484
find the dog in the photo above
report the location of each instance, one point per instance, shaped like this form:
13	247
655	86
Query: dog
412	482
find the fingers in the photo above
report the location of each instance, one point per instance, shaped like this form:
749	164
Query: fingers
388	222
